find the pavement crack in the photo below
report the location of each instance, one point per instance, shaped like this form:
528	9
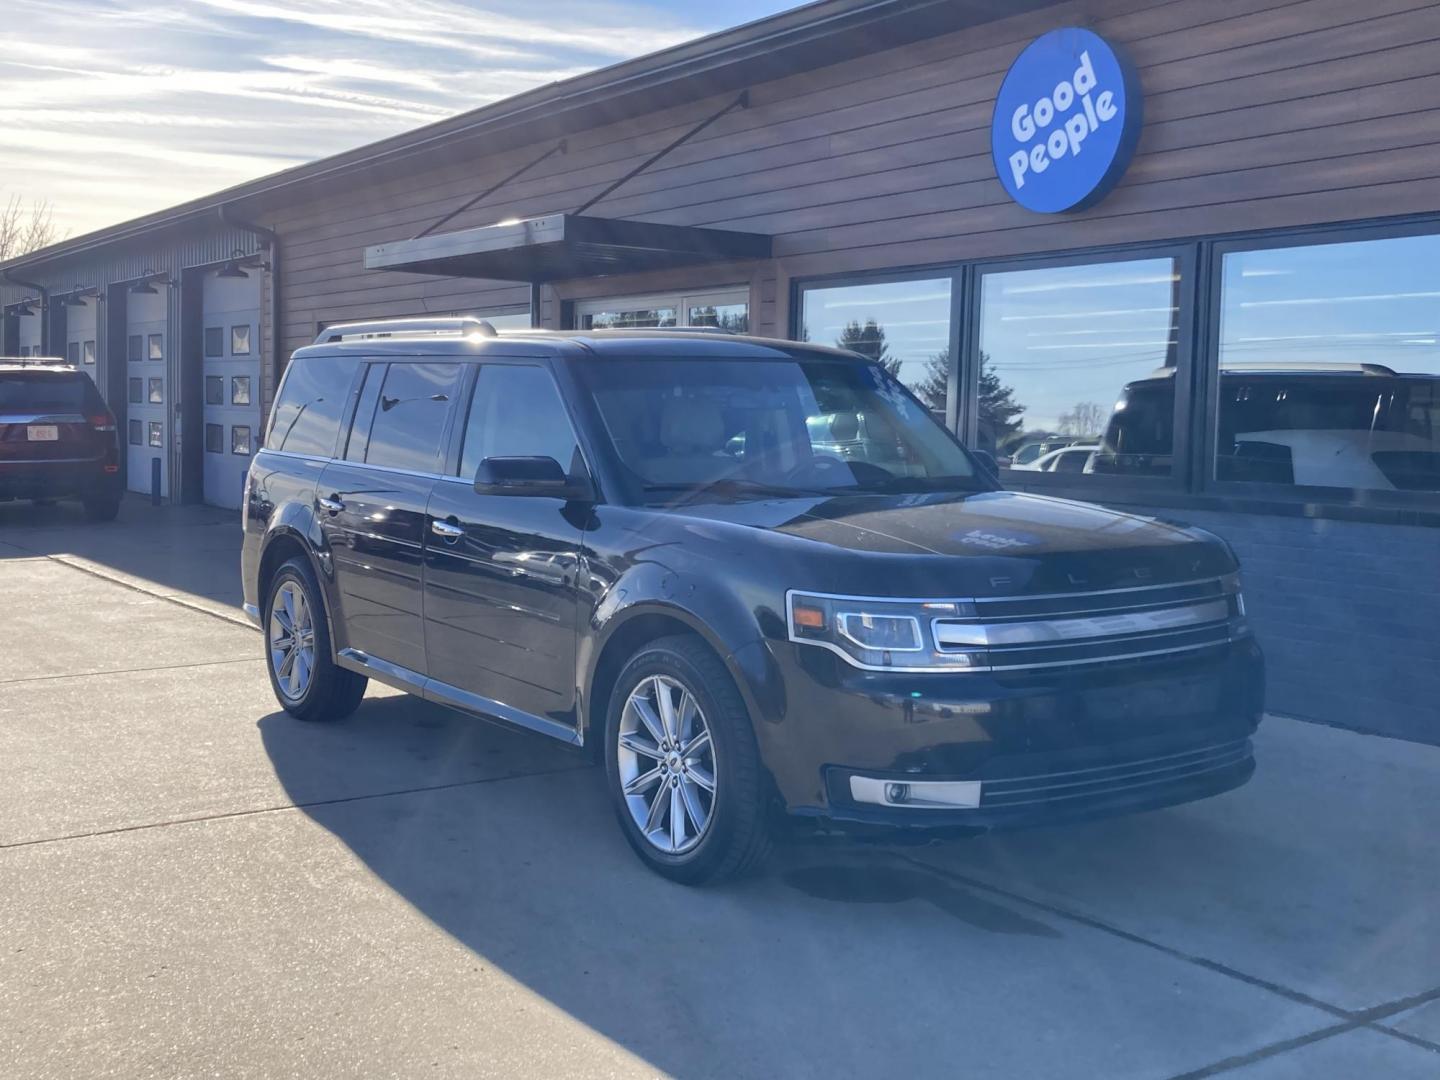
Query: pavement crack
1297	996
76	562
285	807
129	671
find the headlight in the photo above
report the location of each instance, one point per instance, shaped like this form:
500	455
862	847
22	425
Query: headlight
876	634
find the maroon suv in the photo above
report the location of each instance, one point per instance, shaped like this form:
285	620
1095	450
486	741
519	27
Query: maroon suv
57	437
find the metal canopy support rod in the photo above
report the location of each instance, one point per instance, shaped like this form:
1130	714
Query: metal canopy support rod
559	148
741	102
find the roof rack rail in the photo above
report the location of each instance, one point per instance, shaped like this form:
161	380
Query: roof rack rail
36	361
384	328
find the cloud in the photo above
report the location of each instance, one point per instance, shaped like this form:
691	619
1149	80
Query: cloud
115	108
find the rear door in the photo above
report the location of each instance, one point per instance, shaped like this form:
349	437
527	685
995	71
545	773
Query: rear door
502	576
372	504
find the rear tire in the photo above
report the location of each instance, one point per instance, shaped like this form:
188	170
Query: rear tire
101	507
307	682
723	831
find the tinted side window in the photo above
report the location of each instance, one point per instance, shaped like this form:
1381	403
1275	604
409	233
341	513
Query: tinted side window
516	412
312	397
410	416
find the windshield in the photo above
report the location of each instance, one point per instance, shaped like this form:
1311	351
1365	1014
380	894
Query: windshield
772	428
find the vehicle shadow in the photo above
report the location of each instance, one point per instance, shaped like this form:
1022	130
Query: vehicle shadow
507	843
169	550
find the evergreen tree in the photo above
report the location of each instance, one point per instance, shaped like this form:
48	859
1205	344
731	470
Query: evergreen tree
869	340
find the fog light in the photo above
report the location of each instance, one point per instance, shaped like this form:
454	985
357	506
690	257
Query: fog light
916	794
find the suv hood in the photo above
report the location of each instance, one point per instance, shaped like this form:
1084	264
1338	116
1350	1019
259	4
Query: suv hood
1014	539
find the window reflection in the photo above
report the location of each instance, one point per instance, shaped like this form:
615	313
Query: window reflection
1077	368
904	325
1330	365
632	319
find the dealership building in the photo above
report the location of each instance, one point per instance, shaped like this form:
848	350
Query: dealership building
1173	256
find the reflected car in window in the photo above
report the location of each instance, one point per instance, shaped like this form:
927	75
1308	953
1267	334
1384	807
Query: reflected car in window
1359	426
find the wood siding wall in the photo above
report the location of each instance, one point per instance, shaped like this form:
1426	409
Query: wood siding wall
1259	113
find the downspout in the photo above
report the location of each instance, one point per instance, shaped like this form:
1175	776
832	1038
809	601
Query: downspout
270	237
44	308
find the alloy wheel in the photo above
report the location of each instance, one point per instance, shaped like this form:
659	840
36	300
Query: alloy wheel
667	764
292	641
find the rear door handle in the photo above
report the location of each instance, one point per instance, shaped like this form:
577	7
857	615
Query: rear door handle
333	504
446	529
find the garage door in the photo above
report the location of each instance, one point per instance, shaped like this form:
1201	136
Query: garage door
232	381
147	434
80	333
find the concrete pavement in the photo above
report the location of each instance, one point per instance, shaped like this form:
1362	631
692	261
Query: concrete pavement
192	884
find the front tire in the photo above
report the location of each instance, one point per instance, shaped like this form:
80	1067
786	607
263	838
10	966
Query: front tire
307	682
682	766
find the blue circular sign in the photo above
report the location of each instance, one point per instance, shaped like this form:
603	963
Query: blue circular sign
1066	121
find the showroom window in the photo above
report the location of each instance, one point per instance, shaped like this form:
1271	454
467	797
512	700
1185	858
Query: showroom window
1078	369
240	390
240	340
155	434
728	309
1329	366
157	346
157	391
87	352
905	325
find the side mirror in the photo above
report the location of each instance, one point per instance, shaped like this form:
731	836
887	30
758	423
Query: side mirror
986	461
532	476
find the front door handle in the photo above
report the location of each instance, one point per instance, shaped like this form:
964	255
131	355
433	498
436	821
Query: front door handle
333	504
446	529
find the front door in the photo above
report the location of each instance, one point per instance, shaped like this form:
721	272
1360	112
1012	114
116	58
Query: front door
371	506
501	584
147	433
232	381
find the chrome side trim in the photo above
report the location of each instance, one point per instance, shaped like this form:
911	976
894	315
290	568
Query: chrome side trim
453	696
402	678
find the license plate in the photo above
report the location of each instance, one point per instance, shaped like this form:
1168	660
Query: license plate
42	433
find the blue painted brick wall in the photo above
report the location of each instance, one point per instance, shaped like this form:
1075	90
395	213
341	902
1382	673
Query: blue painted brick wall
1348	615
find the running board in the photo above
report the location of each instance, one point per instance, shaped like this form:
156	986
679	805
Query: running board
402	678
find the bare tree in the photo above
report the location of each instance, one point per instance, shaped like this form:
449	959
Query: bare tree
26	228
1086	418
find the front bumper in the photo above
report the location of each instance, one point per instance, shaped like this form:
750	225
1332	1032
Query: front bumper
1009	752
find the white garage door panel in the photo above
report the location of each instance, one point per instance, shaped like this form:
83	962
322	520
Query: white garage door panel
147	435
231	347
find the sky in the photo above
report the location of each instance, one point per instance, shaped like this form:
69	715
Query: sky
114	108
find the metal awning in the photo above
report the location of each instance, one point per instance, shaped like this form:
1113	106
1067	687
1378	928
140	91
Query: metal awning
562	246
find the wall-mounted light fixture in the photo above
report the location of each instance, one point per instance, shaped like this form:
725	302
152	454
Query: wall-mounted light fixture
232	268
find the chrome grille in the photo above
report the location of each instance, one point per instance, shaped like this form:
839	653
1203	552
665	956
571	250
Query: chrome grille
1066	629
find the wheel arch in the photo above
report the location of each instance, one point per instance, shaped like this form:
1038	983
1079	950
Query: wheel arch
281	545
626	634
